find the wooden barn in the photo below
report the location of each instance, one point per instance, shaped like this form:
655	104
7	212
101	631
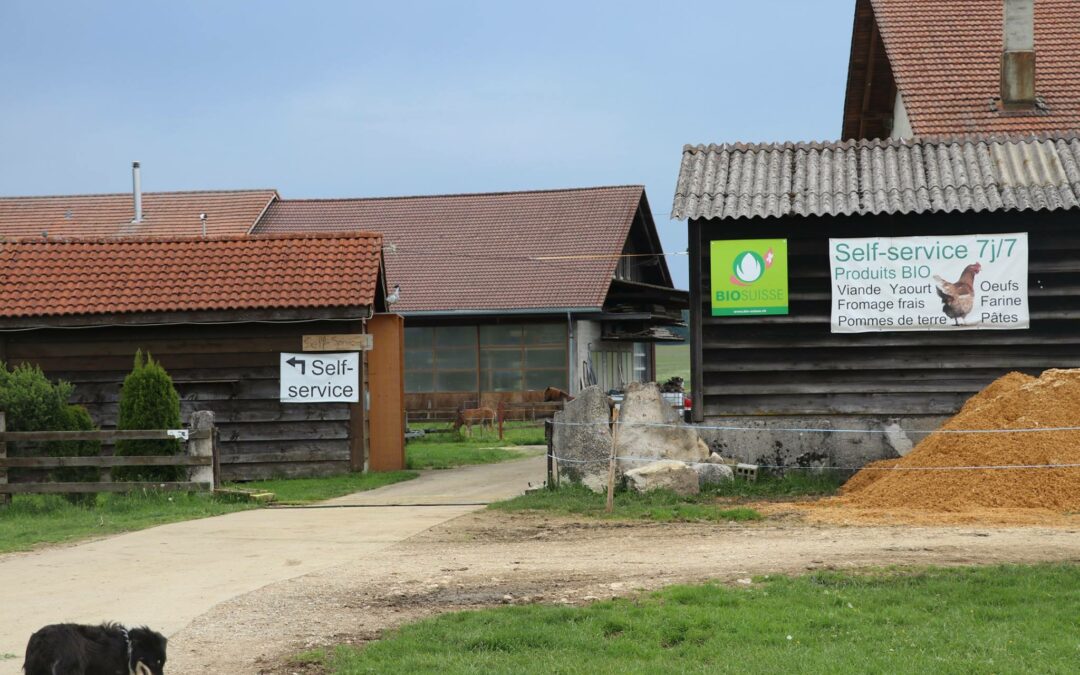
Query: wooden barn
506	294
872	284
217	312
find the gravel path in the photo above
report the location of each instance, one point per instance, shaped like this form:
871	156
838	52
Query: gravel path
489	558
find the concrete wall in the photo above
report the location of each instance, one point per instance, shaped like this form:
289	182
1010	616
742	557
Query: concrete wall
901	126
586	334
888	438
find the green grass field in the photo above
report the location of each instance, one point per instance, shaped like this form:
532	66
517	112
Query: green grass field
447	450
673	360
658	505
1009	619
716	503
34	520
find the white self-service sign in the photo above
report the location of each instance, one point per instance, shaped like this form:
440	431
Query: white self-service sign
320	378
965	282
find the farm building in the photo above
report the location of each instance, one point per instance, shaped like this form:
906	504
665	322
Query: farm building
875	284
507	294
217	312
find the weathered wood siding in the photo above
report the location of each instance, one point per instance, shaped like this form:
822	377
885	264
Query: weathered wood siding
229	369
794	365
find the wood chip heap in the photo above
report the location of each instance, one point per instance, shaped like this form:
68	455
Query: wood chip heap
1015	401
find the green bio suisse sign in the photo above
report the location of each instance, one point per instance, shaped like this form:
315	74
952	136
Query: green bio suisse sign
749	276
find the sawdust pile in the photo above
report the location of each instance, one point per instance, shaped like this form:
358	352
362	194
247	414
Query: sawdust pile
1015	401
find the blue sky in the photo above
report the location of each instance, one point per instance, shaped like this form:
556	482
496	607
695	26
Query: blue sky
344	99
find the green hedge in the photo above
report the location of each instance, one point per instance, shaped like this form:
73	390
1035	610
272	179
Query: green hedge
33	403
148	400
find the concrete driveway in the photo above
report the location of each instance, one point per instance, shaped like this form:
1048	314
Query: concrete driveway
166	576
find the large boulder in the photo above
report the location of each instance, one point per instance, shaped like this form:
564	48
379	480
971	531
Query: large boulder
643	406
666	474
714	470
581	439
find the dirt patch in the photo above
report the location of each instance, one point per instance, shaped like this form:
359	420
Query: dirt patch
931	484
489	559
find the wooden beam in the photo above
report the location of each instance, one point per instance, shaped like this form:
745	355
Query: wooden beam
868	80
111	461
358	342
103	436
62	488
4	497
697	378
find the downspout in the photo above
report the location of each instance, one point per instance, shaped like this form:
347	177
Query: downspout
572	355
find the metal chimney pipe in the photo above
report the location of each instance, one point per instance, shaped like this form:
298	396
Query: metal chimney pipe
1018	58
136	190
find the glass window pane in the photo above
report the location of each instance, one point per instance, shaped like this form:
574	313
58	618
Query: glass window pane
545	358
501	358
503	380
455	380
419	359
455	336
545	333
500	335
419	381
542	379
455	358
416	338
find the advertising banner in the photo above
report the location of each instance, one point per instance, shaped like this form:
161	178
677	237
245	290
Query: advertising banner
748	277
962	282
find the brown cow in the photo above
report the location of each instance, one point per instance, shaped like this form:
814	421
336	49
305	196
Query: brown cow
467	417
556	394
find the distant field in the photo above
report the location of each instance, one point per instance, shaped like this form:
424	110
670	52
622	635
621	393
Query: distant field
672	360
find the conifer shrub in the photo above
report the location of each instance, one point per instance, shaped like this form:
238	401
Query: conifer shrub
34	403
148	400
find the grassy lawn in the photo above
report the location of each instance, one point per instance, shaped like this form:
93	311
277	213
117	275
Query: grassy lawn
446	450
307	490
717	503
1010	619
672	360
31	520
659	505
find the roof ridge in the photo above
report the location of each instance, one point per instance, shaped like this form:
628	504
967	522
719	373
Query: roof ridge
458	194
159	192
931	139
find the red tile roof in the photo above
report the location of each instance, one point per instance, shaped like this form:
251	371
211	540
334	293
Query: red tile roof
485	251
168	214
54	277
946	58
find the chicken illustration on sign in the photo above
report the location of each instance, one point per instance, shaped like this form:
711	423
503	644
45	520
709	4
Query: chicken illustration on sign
958	299
904	283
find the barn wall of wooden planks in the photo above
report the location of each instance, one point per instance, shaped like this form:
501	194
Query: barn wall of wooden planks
231	369
771	367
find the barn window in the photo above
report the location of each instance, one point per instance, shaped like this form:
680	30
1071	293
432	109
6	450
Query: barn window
522	357
441	359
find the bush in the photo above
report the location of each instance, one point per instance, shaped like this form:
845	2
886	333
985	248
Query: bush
148	400
33	403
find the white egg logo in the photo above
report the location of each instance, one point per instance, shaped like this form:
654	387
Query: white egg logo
749	267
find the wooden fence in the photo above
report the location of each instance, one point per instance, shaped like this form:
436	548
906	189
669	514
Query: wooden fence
201	459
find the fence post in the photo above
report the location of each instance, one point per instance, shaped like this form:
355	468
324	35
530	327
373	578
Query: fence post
202	445
4	498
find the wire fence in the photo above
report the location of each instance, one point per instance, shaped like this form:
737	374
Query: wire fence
801	430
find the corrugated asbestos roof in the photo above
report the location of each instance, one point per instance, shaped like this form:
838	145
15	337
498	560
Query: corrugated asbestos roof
971	173
56	277
539	250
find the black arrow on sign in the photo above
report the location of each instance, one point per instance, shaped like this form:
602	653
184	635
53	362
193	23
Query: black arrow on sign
301	362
